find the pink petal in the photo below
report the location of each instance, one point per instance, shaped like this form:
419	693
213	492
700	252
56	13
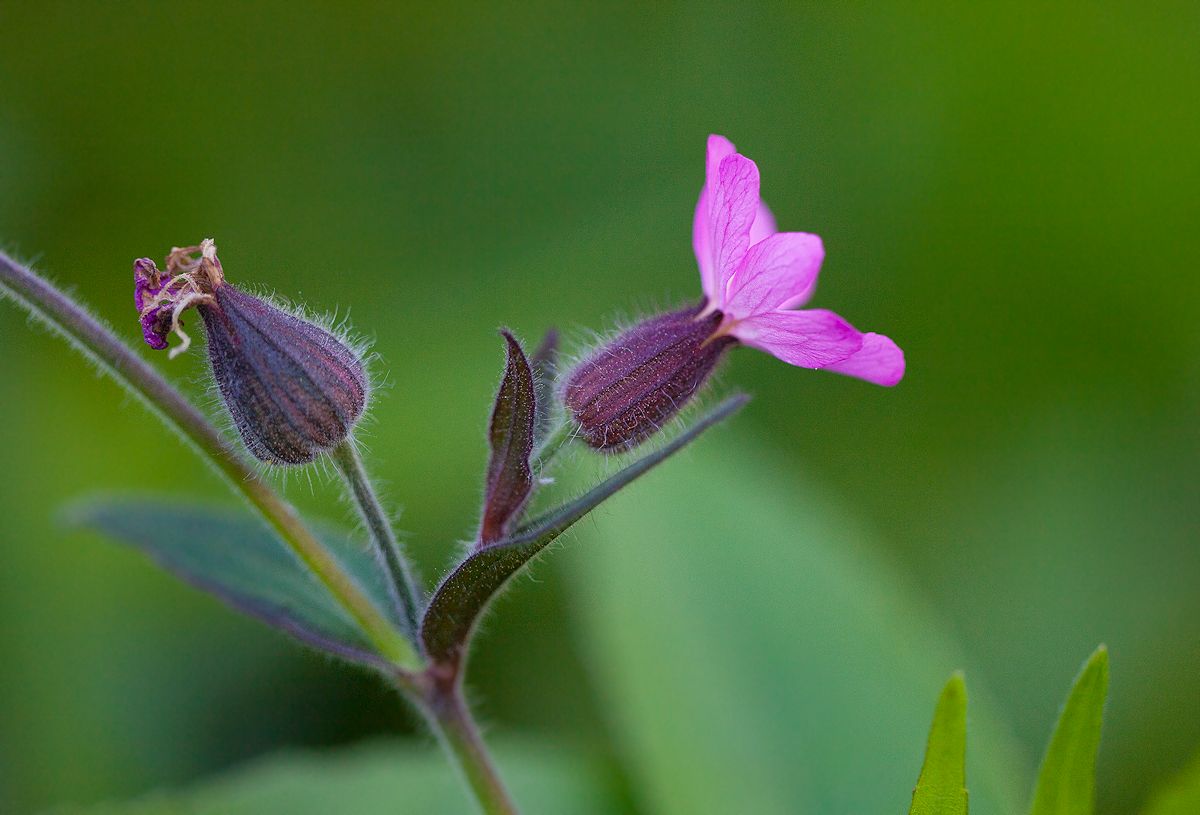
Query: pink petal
718	148
701	234
811	339
763	226
734	208
879	360
781	269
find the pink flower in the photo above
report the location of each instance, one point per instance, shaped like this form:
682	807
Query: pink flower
757	278
754	280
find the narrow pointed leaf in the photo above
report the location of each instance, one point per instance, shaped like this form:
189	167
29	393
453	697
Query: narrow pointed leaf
239	560
942	787
1181	796
1067	780
545	364
464	594
509	475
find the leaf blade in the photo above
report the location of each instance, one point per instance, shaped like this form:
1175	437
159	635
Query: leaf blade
759	648
377	778
237	559
463	595
1067	778
942	786
510	434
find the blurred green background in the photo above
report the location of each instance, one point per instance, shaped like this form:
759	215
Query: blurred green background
1008	190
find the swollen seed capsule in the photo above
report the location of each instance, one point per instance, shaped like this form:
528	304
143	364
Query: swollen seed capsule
623	393
294	390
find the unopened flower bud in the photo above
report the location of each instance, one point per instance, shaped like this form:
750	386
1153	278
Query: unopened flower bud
624	392
294	390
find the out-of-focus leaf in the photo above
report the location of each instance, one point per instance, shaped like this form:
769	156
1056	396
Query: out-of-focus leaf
545	367
757	653
464	594
509	476
378	779
942	787
238	559
1181	796
1066	783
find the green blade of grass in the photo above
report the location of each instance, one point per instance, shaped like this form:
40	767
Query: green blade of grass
1066	783
942	786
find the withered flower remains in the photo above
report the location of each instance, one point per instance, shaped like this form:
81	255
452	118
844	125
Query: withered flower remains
294	390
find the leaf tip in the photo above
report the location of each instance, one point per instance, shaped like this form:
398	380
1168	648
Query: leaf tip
1096	667
82	512
1067	778
731	405
508	336
942	786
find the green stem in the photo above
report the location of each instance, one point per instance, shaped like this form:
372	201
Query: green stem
99	343
441	700
552	444
404	588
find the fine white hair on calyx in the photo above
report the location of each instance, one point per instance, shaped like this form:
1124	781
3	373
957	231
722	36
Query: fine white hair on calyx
338	325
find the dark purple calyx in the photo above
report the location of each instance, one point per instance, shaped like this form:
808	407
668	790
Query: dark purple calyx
627	390
294	390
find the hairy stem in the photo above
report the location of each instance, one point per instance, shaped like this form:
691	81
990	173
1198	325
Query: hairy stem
97	342
404	588
550	447
440	698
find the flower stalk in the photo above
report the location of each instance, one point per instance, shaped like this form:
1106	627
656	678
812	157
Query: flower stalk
407	595
553	444
99	344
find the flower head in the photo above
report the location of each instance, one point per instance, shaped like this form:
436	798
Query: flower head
754	278
757	278
294	390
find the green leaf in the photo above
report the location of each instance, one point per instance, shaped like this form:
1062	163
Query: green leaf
1181	796
942	787
757	651
233	556
378	779
464	594
1066	782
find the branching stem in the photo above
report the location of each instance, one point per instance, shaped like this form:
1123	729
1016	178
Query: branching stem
98	342
436	694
